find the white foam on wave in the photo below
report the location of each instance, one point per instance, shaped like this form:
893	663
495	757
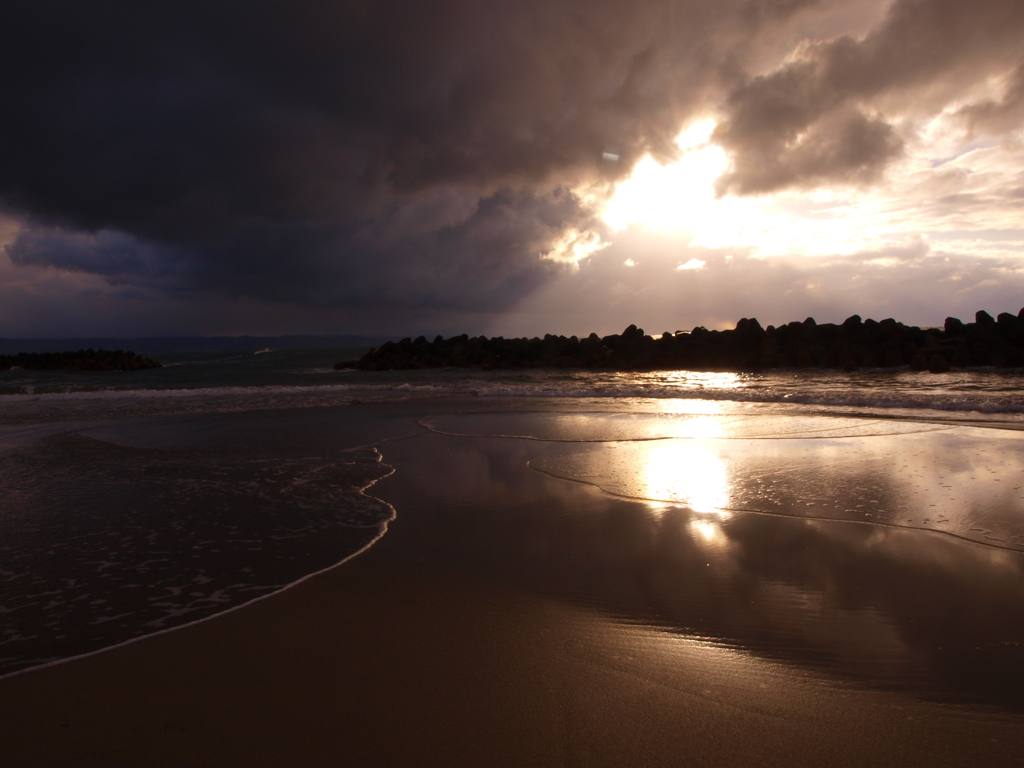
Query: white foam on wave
993	393
219	597
115	393
851	399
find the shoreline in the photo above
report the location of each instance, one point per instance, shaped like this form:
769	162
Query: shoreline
231	609
385	663
511	617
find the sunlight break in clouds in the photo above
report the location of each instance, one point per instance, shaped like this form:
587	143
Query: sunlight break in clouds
515	150
670	197
573	246
949	185
680	197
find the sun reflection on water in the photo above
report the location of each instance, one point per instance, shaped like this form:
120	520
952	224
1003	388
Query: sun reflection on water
685	472
709	531
702	379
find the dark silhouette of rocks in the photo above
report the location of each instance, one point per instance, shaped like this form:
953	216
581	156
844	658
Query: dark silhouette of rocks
855	343
82	360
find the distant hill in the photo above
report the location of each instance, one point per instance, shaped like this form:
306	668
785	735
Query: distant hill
161	344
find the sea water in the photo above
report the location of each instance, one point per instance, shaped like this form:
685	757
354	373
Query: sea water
211	381
134	503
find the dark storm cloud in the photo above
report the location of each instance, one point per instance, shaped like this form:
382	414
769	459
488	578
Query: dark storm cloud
267	148
819	118
404	152
177	123
445	250
992	116
116	255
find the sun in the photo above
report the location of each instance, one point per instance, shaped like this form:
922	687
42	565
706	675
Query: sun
826	219
680	197
675	196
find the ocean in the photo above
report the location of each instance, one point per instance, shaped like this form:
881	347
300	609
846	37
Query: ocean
868	525
206	382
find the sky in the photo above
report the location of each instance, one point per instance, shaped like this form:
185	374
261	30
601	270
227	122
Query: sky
397	167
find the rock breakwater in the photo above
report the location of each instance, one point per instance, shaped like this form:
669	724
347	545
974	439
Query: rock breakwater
82	360
855	343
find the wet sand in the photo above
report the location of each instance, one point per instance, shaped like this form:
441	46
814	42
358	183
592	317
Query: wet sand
509	617
377	666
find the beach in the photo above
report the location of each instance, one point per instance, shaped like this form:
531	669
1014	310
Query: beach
559	383
368	665
519	580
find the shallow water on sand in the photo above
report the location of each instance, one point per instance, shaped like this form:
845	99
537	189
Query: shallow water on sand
963	481
877	552
882	605
105	541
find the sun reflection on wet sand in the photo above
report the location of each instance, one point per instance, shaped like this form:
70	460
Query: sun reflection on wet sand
676	562
710	531
962	481
684	472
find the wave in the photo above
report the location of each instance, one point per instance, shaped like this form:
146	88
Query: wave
136	569
854	399
992	397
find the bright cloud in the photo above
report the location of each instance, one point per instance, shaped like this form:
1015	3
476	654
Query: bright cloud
950	189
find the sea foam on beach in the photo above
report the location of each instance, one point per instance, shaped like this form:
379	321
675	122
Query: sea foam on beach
104	543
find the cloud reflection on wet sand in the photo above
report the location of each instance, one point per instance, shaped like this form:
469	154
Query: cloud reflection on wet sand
816	581
963	481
